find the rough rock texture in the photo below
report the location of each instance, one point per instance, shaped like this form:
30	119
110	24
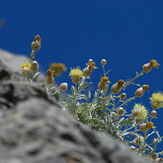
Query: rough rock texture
34	129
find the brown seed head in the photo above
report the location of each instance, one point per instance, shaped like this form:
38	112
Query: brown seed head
38	38
145	87
49	73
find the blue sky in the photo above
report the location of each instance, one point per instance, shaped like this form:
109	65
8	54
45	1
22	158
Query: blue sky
127	33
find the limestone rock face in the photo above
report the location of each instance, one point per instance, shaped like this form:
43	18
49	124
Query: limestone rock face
34	129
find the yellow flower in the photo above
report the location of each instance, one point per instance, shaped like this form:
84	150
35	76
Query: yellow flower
102	83
91	65
76	74
25	64
148	66
154	64
26	68
58	68
156	100
139	111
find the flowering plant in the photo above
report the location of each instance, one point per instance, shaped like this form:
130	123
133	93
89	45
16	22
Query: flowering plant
104	110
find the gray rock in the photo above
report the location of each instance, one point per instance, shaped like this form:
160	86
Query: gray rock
34	129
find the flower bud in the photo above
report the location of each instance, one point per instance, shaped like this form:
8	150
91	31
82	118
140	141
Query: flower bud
101	85
143	127
123	96
139	92
117	87
34	66
103	62
153	113
147	67
121	111
50	80
63	86
49	73
87	71
36	45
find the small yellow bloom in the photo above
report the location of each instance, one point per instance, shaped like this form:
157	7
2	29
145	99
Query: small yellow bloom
102	83
150	125
154	64
139	111
25	64
91	65
26	68
58	68
76	74
156	100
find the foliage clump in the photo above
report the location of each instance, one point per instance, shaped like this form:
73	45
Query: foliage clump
104	110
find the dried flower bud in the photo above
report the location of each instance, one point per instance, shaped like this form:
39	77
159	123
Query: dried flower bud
50	80
101	85
103	62
145	87
121	111
49	73
63	86
34	66
117	87
147	67
36	45
37	38
158	159
123	96
143	127
87	71
153	113
139	92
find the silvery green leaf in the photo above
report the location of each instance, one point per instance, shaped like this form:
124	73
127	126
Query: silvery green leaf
72	90
36	74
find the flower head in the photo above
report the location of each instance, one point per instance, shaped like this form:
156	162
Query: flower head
139	111
91	65
102	83
144	127
76	74
156	100
25	64
105	80
154	64
58	68
26	68
148	66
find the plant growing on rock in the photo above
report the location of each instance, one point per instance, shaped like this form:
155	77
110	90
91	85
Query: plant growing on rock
104	109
